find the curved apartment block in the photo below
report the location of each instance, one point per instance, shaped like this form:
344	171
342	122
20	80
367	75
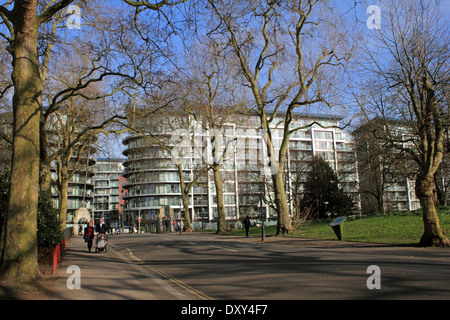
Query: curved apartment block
153	181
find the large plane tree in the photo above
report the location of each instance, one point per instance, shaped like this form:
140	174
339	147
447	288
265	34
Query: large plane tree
22	21
410	55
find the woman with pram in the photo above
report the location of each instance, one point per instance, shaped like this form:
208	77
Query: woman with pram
102	231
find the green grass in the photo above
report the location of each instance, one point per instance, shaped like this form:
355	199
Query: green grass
395	228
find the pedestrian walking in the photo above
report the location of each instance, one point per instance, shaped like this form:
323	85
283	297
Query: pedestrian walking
167	224
174	225
101	227
89	235
247	225
181	225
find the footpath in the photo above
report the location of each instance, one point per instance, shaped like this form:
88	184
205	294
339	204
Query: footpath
114	275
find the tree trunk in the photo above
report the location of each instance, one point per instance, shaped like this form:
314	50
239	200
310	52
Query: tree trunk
63	199
425	191
380	200
221	221
440	191
284	224
45	179
185	199
19	245
187	218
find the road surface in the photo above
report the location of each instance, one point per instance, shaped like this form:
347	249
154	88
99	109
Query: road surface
212	267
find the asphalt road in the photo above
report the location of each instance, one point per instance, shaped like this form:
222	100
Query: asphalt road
212	267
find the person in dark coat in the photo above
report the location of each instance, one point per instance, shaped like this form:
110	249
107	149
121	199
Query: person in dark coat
247	225
89	235
101	227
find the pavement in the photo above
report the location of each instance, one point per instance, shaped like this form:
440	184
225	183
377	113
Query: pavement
111	275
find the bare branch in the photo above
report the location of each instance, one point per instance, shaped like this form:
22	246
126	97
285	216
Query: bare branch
50	11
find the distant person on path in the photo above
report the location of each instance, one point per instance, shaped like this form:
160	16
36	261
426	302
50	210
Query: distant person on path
167	223
247	225
175	226
89	235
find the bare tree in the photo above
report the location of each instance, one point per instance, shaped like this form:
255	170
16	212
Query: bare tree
213	98
284	65
22	21
82	81
63	131
414	36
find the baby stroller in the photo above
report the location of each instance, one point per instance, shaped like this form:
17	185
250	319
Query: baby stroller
101	245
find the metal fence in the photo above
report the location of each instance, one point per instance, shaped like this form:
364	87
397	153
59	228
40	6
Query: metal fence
49	258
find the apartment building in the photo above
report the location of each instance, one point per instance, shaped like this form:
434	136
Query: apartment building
107	190
387	176
153	181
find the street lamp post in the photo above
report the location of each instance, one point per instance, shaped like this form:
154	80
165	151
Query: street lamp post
261	213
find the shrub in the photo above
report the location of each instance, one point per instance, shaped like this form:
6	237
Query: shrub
49	232
4	193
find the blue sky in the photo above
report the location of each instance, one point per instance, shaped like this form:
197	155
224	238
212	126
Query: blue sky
354	9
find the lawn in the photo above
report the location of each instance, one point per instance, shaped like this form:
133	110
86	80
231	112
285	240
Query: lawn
395	228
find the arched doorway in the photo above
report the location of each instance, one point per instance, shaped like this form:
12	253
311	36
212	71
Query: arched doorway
81	219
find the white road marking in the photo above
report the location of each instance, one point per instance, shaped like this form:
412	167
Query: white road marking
232	250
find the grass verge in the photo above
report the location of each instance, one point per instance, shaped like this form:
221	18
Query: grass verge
396	228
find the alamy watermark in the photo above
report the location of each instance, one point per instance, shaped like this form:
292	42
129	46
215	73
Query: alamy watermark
214	147
74	18
374	21
74	280
374	281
